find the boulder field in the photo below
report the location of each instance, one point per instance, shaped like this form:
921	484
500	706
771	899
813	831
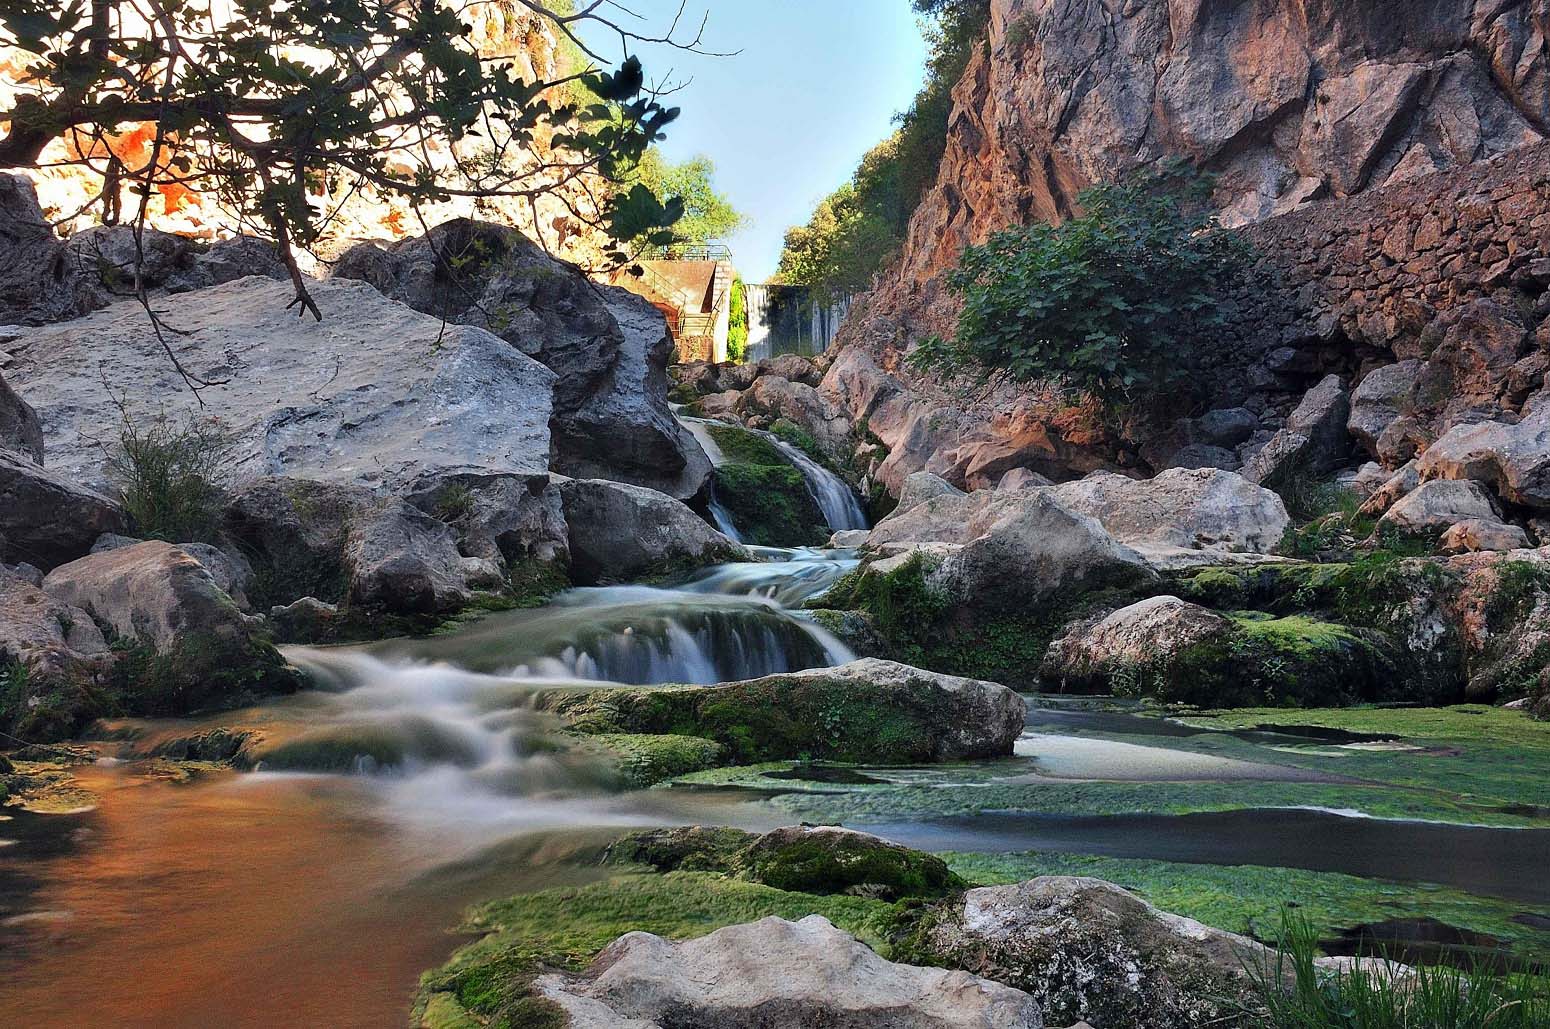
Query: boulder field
379	470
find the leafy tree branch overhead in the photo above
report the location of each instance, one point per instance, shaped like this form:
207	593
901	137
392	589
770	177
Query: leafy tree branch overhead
273	107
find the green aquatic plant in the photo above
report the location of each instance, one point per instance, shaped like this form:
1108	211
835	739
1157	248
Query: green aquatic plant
1294	991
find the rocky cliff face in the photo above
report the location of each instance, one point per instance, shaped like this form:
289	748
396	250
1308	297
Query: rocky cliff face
1289	102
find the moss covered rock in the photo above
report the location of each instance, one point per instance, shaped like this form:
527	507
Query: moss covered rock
829	859
765	493
808	859
865	711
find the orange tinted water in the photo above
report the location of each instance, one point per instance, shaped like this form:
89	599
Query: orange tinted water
236	901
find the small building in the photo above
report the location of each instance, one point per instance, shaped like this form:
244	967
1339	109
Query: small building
692	287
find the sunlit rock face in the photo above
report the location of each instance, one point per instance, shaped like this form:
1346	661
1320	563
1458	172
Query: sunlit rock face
70	176
1292	104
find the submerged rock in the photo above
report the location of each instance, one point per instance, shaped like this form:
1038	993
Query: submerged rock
1087	949
865	711
778	975
822	859
620	532
830	859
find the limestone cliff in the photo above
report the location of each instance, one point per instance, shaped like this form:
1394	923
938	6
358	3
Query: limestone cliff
1289	102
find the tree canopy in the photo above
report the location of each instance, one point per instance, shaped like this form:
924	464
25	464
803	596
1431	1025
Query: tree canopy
707	213
859	228
270	106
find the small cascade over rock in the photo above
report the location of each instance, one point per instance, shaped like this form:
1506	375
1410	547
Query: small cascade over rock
642	636
837	502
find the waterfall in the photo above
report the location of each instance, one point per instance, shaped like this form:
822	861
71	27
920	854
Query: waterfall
786	320
833	496
639	635
837	502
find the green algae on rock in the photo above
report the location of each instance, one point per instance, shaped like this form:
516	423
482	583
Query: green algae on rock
867	710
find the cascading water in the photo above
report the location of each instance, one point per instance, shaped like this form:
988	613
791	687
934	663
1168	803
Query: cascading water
788	576
836	501
445	727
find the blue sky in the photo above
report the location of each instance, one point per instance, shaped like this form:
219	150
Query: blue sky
815	86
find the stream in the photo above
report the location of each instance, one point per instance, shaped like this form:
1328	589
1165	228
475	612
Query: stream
416	780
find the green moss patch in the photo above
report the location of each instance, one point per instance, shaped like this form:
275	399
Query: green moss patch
920	626
643	760
770	505
1291	661
774	718
766	495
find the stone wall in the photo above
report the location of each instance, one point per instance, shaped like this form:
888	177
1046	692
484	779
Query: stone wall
1361	279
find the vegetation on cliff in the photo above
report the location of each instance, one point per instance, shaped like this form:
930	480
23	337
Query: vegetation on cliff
1110	302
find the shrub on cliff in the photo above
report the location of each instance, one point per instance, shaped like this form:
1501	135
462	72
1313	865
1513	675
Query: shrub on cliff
1114	302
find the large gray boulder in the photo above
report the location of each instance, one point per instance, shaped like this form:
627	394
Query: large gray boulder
864	711
346	544
196	649
1034	548
923	486
40	280
1432	507
1314	441
1126	644
772	398
47	519
777	974
20	430
151	591
1089	950
609	349
1514	459
620	532
1181	512
1382	396
65	656
374	394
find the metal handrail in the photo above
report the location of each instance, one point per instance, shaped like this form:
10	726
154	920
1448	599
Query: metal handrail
696	252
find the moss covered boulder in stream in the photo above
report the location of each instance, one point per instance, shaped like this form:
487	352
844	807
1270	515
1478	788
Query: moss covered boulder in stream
1167	648
822	859
866	711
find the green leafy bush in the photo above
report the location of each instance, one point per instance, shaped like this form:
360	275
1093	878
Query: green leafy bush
737	322
168	476
1112	302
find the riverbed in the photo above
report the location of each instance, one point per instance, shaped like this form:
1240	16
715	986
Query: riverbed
416	780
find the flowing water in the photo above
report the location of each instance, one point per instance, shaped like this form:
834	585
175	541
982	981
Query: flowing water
837	502
417	779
